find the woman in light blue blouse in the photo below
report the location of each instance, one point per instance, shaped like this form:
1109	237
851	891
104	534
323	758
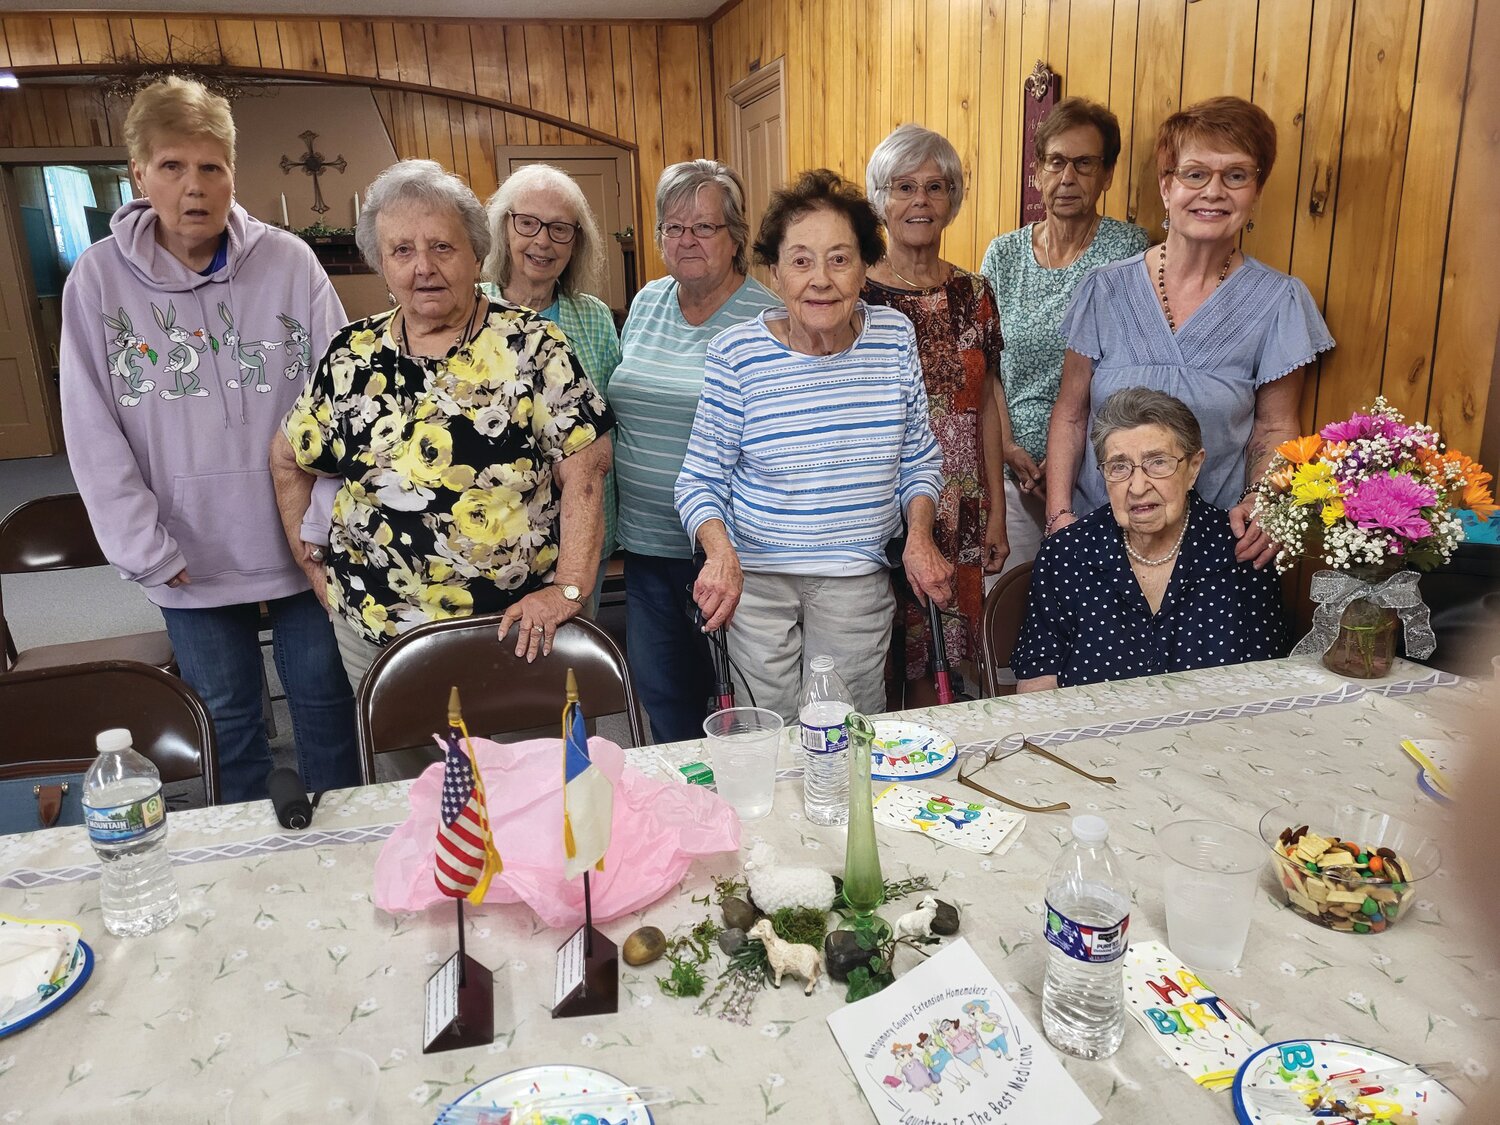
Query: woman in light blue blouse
1033	272
546	253
703	235
1195	318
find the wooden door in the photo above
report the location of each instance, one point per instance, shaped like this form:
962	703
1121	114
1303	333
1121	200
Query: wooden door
757	111
30	425
601	178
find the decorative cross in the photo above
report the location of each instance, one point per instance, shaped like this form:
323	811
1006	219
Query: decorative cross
313	164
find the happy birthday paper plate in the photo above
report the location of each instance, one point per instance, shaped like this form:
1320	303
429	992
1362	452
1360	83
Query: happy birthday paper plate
507	1090
63	988
909	751
1301	1064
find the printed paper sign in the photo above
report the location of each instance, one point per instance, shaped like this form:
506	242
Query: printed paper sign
966	824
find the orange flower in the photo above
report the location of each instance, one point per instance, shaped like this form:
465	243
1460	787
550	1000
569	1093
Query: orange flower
1471	470
1476	497
1299	451
1281	479
1335	450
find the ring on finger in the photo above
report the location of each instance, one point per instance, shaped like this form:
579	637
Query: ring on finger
538	629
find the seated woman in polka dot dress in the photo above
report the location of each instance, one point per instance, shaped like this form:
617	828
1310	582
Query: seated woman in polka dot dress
1147	583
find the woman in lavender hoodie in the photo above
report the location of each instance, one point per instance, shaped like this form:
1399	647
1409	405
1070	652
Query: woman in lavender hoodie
186	338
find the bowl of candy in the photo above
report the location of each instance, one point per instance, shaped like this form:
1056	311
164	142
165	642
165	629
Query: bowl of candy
1347	868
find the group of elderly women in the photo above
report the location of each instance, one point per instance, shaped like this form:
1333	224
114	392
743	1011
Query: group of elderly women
763	461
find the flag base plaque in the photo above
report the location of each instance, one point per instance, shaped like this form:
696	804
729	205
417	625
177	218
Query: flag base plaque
460	1006
588	975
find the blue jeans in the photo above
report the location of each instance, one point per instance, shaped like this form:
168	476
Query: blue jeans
218	652
669	657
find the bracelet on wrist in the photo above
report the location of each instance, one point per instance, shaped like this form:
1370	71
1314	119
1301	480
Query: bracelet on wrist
1054	517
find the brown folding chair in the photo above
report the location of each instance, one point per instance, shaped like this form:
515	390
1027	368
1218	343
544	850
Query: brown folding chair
1000	625
53	714
54	533
403	700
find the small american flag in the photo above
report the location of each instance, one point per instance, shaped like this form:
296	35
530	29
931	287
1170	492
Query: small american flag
466	857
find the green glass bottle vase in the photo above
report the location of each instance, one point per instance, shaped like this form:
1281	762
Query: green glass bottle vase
864	886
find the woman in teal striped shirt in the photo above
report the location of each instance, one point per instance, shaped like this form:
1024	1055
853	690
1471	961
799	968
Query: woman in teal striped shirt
546	253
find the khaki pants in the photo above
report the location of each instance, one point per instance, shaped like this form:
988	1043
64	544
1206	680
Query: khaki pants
783	621
356	652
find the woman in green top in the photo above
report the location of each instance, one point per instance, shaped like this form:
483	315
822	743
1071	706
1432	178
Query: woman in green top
545	254
1033	272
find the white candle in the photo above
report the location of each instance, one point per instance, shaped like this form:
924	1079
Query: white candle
356	207
284	220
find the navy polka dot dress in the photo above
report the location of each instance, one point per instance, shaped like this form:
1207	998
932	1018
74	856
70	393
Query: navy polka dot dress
1088	621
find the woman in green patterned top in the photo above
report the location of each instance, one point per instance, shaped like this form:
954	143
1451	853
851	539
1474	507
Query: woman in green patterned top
546	253
1033	272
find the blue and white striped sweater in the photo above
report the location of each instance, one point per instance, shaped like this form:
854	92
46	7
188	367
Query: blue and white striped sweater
810	461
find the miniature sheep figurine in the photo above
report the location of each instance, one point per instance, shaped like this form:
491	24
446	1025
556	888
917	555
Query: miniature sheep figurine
799	960
918	923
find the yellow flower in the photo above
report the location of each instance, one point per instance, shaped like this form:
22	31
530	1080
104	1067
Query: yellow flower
375	387
578	437
306	437
544	559
362	343
490	516
1333	511
522	411
441	602
423	457
375	618
1313	483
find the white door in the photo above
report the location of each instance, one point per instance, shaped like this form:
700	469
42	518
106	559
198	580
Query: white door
601	179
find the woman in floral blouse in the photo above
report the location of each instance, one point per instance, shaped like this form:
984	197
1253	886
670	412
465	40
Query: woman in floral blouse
470	442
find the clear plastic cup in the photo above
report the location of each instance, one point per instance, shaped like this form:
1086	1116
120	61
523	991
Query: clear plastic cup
334	1086
1210	880
743	746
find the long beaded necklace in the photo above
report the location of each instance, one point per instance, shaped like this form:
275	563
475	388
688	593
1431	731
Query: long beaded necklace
1168	557
1087	242
1161	282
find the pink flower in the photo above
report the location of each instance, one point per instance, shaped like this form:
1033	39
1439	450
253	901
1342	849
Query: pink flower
1393	503
1358	426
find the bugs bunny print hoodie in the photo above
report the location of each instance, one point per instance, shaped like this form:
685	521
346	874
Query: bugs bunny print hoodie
172	384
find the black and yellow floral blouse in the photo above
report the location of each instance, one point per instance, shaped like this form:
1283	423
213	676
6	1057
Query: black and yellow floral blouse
448	506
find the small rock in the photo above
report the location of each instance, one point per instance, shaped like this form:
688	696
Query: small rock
842	954
945	921
644	946
738	914
730	940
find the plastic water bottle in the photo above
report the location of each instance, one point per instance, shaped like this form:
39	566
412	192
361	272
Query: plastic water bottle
1088	919
126	817
825	744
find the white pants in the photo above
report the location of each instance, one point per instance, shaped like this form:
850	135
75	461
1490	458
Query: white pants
1025	517
783	621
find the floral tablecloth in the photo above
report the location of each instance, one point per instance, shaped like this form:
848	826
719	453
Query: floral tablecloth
279	948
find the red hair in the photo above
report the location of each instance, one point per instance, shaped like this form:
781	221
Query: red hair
1225	124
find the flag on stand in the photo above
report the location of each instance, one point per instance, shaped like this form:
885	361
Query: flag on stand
466	855
588	796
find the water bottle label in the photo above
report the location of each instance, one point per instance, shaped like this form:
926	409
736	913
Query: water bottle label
122	824
1095	944
825	740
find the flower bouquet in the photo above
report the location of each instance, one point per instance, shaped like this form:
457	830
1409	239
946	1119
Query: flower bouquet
1373	498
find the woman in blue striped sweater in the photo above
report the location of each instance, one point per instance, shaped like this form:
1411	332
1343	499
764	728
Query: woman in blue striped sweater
810	444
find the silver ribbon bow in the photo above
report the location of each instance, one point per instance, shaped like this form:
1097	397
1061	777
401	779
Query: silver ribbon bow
1334	590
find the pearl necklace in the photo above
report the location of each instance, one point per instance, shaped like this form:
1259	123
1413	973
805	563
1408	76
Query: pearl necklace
1161	282
1087	242
1168	557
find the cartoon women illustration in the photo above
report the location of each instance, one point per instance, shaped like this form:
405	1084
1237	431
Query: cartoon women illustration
182	359
991	1031
915	1071
298	345
124	363
937	1056
251	357
962	1042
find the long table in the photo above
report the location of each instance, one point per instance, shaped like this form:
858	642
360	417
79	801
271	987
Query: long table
279	947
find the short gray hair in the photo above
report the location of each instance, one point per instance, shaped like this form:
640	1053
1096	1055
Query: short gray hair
585	269
682	182
425	182
1141	406
906	149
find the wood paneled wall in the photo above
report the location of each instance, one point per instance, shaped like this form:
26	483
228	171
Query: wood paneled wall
644	85
1382	199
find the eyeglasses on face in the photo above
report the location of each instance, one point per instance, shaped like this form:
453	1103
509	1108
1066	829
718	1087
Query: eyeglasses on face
1055	162
527	226
1235	177
910	189
1118	469
701	231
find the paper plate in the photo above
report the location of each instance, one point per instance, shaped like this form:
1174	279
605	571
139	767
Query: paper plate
909	751
24	1015
533	1081
1430	1102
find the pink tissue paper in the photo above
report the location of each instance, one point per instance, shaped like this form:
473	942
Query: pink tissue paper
659	828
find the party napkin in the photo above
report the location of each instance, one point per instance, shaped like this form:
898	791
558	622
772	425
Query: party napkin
1194	1027
33	955
965	824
